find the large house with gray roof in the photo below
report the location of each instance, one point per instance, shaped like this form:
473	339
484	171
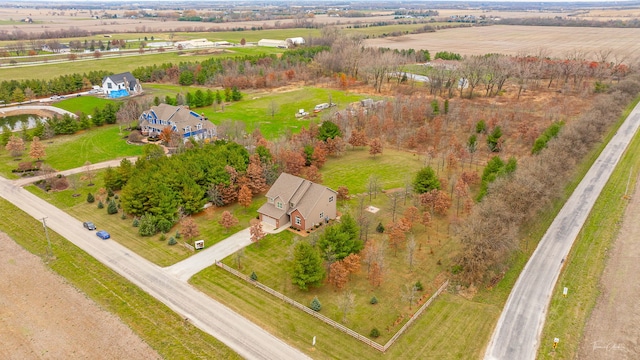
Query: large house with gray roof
120	85
301	202
187	123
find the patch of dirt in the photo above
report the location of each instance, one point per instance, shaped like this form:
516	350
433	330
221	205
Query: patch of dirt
37	112
43	317
612	331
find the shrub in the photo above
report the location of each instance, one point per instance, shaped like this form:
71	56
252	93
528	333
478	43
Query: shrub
164	225
116	196
147	225
373	301
481	127
178	236
253	276
90	198
315	304
380	228
418	286
100	205
172	241
123	216
456	269
374	333
110	193
163	237
136	223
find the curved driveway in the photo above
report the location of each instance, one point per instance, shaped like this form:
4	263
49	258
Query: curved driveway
517	335
241	335
36	107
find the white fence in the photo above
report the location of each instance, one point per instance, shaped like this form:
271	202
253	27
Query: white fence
331	322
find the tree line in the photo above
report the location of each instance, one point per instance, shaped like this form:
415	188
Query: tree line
492	233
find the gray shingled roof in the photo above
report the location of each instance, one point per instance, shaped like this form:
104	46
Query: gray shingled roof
119	79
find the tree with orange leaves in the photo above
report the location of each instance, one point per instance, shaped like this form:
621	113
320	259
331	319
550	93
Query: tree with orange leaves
352	263
358	138
338	275
189	228
256	231
375	275
375	147
397	236
227	220
245	197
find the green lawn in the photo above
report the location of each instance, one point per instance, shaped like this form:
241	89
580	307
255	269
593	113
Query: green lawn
393	169
254	109
153	321
71	151
85	104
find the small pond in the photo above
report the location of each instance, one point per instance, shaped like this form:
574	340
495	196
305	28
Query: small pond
19	122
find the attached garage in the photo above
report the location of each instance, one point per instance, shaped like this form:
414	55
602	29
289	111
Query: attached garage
269	220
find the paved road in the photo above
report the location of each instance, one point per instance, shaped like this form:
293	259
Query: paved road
517	335
241	335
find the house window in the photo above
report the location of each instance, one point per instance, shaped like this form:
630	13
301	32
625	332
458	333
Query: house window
331	198
279	205
298	220
270	200
109	86
321	215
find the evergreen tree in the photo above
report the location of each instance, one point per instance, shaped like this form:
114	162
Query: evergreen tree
426	180
307	266
112	208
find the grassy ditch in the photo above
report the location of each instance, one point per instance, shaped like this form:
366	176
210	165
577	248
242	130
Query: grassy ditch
154	322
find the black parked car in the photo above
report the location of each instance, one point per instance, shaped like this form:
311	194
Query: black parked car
88	225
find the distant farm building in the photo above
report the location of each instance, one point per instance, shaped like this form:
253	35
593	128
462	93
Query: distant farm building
160	44
194	44
272	43
295	41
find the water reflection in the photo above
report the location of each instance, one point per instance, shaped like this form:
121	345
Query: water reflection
19	122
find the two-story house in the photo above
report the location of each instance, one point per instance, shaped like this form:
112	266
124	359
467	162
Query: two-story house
180	119
119	85
301	202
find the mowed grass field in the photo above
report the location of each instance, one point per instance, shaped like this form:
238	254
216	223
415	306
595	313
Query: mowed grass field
118	64
514	40
255	109
65	152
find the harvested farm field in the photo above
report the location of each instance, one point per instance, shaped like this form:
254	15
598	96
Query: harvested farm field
520	40
44	317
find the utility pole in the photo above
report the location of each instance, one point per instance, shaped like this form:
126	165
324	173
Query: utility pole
46	232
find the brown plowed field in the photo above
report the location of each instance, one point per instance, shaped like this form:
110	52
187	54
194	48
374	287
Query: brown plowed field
612	331
43	317
515	40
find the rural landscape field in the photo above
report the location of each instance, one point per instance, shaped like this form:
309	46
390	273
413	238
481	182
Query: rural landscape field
448	136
